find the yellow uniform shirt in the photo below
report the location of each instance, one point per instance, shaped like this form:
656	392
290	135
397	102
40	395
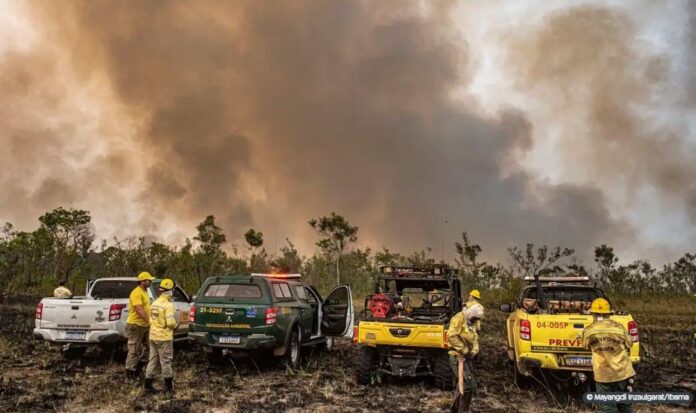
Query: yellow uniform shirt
138	297
162	321
463	340
610	344
62	292
471	303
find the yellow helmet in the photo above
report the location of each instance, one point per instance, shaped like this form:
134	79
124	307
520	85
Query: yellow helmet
600	306
166	284
145	276
475	293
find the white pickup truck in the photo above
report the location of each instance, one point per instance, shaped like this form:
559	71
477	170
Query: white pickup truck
99	318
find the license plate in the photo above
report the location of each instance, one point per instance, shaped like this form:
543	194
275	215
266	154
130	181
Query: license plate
579	361
75	335
229	340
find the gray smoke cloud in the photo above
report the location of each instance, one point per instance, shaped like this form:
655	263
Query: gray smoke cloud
269	113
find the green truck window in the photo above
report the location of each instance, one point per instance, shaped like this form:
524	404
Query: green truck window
233	291
299	290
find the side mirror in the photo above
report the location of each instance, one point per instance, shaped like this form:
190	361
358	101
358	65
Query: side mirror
507	308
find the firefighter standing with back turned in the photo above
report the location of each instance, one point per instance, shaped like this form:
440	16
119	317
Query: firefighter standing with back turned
463	342
162	325
610	344
138	325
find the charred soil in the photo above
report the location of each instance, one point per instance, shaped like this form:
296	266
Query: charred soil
35	377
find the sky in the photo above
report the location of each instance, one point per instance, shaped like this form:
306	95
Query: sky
561	122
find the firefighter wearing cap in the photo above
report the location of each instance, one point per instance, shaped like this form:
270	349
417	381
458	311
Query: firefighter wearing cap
463	344
610	344
138	325
162	325
475	300
62	291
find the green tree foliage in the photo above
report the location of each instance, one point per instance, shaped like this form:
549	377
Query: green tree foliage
71	236
254	239
209	256
62	246
289	260
475	273
336	234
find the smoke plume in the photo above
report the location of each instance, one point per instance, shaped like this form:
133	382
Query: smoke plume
155	114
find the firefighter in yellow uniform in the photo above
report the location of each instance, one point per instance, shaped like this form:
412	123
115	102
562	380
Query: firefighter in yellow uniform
475	300
138	325
463	344
610	344
162	325
62	291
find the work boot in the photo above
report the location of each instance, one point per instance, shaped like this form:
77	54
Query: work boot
169	385
466	401
148	386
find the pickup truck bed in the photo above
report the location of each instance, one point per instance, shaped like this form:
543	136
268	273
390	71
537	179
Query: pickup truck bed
100	316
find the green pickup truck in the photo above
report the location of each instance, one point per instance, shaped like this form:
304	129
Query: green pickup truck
267	312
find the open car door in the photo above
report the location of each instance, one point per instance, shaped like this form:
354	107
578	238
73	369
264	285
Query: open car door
337	313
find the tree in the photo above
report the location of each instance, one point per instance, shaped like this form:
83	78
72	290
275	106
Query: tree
209	254
71	235
254	239
468	255
289	260
529	262
336	234
476	274
606	261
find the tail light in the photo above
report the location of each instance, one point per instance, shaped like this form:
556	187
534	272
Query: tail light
525	330
271	315
356	330
633	330
192	314
445	339
39	311
115	311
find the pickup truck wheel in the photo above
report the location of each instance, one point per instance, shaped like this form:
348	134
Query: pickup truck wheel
442	372
292	352
215	357
365	365
73	353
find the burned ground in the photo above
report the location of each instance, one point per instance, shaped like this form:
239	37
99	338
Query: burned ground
35	377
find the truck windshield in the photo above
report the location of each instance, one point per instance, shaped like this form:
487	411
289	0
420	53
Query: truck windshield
233	291
113	288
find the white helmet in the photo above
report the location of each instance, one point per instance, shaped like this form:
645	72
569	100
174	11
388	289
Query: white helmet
475	311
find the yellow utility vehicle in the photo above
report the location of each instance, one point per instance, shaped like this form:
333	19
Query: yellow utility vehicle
544	330
402	330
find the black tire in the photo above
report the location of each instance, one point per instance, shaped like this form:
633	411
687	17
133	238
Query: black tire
366	364
520	380
442	372
216	358
73	353
293	351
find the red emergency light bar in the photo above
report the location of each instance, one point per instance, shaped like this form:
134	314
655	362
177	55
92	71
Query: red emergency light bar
281	276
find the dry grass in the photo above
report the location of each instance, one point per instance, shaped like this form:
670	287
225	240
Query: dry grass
34	377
